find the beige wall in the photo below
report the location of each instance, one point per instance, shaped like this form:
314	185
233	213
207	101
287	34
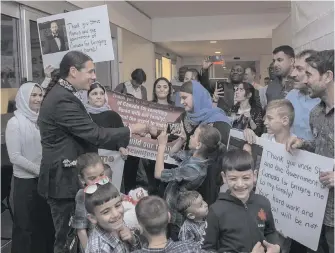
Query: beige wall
136	53
6	95
264	63
282	34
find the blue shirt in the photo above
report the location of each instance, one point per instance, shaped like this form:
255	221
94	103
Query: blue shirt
303	105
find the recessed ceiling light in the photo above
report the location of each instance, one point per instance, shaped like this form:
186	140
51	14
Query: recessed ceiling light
218	52
213	41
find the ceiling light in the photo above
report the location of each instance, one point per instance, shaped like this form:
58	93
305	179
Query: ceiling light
218	52
213	41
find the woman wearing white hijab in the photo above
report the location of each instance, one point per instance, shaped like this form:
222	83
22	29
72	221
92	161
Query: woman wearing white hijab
25	153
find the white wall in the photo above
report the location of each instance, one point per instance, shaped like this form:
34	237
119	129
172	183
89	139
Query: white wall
197	60
123	15
215	27
50	7
165	52
313	24
138	53
282	34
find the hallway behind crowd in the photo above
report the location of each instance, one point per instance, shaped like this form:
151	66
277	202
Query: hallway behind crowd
173	139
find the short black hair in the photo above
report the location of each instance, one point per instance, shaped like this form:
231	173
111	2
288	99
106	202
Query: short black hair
139	76
252	69
285	49
237	159
323	61
87	160
195	73
103	194
185	200
53	22
267	78
108	170
238	65
95	85
181	73
304	53
153	214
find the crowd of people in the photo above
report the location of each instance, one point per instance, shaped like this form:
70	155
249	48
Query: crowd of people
64	199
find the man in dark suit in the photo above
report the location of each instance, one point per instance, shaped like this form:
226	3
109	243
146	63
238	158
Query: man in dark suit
55	42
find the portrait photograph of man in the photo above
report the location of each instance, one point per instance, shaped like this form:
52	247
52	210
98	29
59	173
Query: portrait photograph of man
53	36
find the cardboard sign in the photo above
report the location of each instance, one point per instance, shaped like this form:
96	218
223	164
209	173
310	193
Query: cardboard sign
291	183
114	160
133	110
85	30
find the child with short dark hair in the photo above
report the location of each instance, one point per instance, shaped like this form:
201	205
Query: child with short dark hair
103	203
195	210
192	169
90	167
153	215
240	219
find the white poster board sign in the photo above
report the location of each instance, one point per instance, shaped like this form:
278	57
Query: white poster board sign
114	160
291	183
85	30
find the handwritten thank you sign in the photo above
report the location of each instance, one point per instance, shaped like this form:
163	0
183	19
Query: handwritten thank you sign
298	199
85	30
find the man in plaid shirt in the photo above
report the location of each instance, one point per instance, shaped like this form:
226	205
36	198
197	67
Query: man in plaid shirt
320	83
153	216
195	209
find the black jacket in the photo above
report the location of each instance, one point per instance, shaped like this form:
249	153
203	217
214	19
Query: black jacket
110	119
67	131
235	227
52	47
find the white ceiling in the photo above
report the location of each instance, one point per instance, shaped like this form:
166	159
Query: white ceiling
164	9
245	47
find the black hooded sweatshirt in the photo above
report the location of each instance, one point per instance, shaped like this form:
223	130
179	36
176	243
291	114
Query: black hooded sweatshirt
236	227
